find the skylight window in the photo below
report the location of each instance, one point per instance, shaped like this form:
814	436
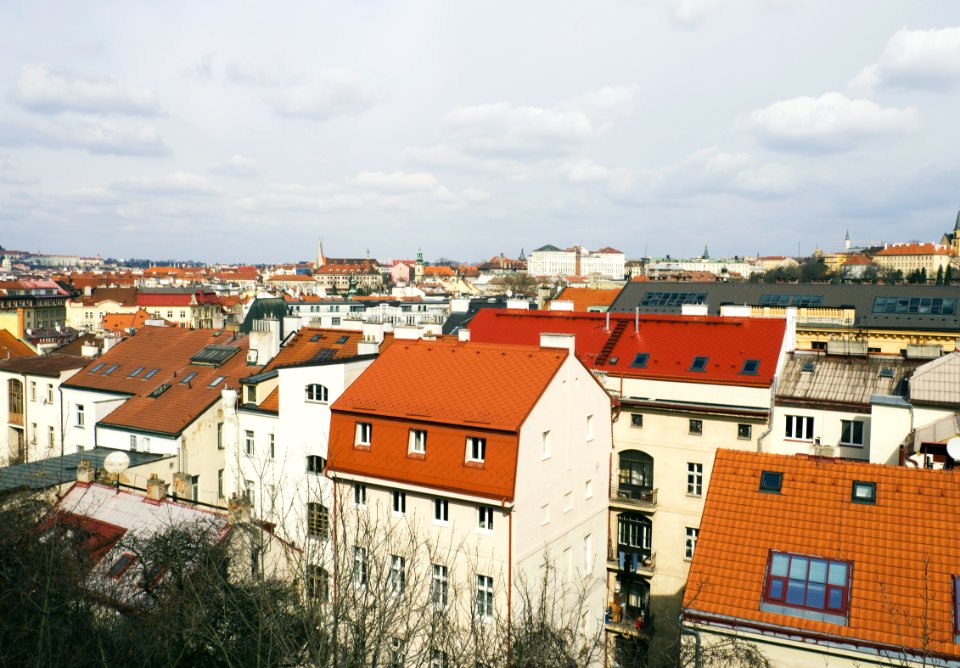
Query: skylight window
640	361
864	492
134	373
216	381
324	354
808	367
750	367
342	339
807	587
699	364
186	379
160	390
97	368
886	372
613	361
771	481
151	373
315	338
111	369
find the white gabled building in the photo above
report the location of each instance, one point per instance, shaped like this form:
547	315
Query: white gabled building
577	261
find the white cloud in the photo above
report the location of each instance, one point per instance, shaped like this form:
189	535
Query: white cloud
243	74
445	155
691	12
711	171
396	181
99	138
829	123
584	170
237	165
916	59
505	129
611	98
334	92
40	90
176	184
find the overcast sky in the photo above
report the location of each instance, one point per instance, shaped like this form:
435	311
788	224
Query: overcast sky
241	131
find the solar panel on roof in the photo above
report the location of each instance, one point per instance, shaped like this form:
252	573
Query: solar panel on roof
214	354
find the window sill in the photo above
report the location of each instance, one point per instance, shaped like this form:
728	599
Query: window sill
417	455
691	495
474	463
361	446
798	440
858	446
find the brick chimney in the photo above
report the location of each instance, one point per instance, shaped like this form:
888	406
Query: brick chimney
86	472
156	488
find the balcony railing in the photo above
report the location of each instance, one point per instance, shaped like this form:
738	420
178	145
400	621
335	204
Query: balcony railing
630	560
15	418
628	620
632	495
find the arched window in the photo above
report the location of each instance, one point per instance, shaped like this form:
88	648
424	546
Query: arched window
636	469
317	392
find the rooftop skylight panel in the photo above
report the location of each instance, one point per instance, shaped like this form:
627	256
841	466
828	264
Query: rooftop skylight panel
808	367
771	481
315	338
864	492
640	361
886	372
97	367
699	364
324	354
151	373
214	354
134	373
342	339
111	369
750	367
186	379
216	381
159	390
613	361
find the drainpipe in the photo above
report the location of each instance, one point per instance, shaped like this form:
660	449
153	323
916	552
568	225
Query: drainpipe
773	401
684	631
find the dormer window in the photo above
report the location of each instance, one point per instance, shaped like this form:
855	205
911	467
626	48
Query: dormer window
807	587
418	442
699	364
364	434
476	449
251	394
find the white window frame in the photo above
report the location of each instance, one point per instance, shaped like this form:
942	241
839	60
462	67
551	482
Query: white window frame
359	495
399	505
417	444
397	575
439	585
850	442
485	519
364	433
360	574
694	479
249	442
690	541
484	597
81	416
316	393
441	511
476	449
799	427
545	445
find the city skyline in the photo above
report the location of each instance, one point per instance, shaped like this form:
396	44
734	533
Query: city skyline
752	126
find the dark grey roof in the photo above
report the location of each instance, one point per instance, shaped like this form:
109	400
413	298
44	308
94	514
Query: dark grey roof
843	379
45	365
548	247
273	307
458	321
668	297
56	470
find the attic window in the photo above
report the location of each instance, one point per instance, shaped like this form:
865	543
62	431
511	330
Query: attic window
97	368
151	373
111	369
771	481
216	381
699	364
342	339
640	361
864	492
160	390
120	565
133	373
186	379
807	587
750	367
808	367
886	372
214	355
324	354
315	338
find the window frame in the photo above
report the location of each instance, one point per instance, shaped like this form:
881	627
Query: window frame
359	495
483	605
417	442
476	449
316	464
694	479
799	428
485	518
636	420
398	503
318	520
691	534
696	427
316	393
441	510
744	431
777	588
364	434
850	436
439	585
249	442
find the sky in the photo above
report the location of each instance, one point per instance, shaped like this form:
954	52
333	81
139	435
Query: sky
244	132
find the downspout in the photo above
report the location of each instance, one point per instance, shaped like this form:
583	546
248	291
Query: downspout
773	401
503	505
684	631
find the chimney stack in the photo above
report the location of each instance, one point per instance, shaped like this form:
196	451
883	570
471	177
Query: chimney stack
86	472
156	488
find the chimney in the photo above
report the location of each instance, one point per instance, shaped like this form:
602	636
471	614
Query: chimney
238	509
87	291
182	486
89	350
566	341
86	472
696	309
463	335
156	488
368	347
561	305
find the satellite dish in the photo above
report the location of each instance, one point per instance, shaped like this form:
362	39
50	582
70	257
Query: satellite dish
118	462
953	448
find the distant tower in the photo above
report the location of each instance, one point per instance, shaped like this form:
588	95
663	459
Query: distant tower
706	253
321	259
418	267
846	241
522	258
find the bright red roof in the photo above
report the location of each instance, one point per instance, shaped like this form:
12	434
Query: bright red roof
670	341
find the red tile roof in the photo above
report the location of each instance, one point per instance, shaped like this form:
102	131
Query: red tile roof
671	342
452	390
584	298
915	249
13	348
904	550
119	322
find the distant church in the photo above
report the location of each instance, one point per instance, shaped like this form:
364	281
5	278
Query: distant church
952	239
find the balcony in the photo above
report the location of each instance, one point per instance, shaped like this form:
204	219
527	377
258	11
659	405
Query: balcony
630	560
631	496
15	418
628	620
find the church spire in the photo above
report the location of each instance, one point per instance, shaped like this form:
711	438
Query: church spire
956	226
321	259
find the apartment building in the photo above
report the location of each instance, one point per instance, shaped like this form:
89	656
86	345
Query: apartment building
86	312
576	261
193	308
493	458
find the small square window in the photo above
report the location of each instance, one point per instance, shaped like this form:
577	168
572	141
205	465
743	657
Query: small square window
750	367
744	431
699	364
476	449
640	361
864	492
771	481
636	420
696	426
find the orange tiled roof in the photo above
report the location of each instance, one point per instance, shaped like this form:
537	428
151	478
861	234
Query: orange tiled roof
271	402
118	322
858	259
167	349
439	271
13	348
915	249
904	550
122	296
291	278
308	342
584	298
452	390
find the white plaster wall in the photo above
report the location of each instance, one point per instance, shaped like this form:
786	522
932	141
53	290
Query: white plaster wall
97	405
826	426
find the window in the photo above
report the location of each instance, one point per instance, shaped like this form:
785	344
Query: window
195	487
476	449
634	532
545	445
418	442
220	483
799	427
97	367
133	442
360	566
438	585
441	510
80	416
588	553
545	514
673	299
317	393
216	381
744	431
864	492
49	393
33	390
694	479
318	583
397	654
251	493
364	433
397	575
485	518
636	420
750	367
589	427
851	432
399	502
186	379
696	427
150	374
248	444
33	433
484	597
318	520
690	542
315	464
588	489
50	436
640	361
771	481
808	583
251	394
699	364
220	436
273	446
360	494
121	565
